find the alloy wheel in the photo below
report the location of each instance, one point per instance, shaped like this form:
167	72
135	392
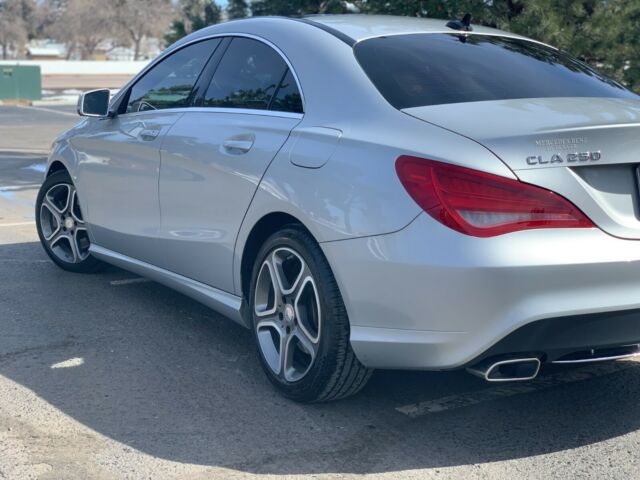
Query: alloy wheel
62	224
288	314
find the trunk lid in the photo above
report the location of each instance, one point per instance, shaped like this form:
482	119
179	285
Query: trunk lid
586	149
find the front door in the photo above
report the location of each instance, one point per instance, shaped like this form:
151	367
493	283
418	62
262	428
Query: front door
119	158
118	180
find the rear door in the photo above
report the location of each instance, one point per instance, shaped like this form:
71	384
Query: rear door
119	159
216	154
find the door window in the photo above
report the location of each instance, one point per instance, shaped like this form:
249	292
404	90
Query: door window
250	75
170	83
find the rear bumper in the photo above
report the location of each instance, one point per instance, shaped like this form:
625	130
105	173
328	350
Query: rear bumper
430	298
565	338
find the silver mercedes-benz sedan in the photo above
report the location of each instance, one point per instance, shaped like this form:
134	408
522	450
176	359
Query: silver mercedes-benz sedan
367	192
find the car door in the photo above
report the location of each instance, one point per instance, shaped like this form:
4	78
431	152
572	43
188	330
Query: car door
215	155
119	157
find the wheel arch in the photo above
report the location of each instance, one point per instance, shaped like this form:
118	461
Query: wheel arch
266	226
56	166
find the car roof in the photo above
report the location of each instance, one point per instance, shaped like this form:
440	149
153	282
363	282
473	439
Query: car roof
349	28
360	27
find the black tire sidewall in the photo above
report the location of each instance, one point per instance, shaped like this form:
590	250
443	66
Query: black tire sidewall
331	315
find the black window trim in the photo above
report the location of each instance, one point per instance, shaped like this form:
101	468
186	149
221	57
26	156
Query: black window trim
277	90
209	70
123	95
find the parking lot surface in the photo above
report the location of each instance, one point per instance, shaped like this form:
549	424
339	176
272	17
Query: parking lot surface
111	376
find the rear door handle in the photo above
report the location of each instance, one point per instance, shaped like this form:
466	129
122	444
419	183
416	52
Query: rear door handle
149	134
238	146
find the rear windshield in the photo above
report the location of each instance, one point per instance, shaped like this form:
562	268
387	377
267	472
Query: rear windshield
437	68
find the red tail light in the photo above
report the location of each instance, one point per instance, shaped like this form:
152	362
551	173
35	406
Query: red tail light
481	204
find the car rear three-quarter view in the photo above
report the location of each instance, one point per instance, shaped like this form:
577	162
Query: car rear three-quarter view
367	192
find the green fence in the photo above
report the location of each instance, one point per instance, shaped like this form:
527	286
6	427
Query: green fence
20	82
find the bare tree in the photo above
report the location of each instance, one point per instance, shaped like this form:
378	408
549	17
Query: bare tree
13	28
137	19
83	25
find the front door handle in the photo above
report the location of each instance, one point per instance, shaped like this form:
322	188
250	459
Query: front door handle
238	146
149	134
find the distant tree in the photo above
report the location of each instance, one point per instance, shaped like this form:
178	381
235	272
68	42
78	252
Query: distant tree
237	9
82	25
193	15
615	41
17	25
482	12
298	7
137	19
46	16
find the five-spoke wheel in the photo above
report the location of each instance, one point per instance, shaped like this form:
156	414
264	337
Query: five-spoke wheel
61	226
300	322
289	316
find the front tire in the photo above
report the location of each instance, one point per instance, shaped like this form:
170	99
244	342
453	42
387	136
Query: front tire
61	227
300	323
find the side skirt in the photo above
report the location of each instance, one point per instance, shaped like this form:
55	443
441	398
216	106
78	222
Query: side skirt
222	302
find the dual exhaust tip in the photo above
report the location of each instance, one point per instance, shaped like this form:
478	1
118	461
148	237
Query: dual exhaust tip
507	370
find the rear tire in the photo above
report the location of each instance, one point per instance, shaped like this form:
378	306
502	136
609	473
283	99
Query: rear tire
61	227
300	323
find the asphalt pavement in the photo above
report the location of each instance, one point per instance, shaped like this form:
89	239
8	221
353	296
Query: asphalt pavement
109	376
32	129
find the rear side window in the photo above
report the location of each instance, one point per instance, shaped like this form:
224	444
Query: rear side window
432	69
252	75
169	84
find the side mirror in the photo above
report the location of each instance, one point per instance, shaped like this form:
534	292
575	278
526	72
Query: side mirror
94	103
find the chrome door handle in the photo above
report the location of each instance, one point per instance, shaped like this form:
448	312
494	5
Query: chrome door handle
237	146
149	134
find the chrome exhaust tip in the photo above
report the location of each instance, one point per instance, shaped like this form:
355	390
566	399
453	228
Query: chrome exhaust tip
507	370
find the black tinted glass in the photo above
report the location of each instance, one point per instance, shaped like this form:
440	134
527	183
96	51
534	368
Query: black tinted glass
431	69
247	77
287	98
169	84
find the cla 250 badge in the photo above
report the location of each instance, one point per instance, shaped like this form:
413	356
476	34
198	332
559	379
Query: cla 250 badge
564	158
